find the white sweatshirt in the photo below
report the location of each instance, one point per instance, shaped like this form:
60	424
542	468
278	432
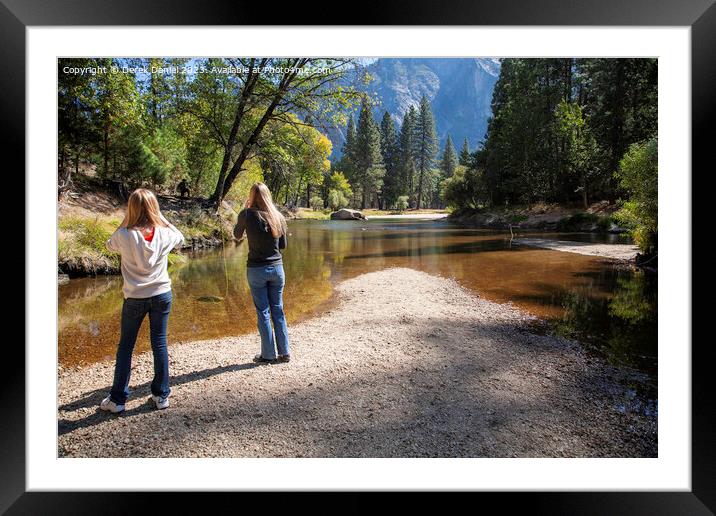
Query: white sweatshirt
144	264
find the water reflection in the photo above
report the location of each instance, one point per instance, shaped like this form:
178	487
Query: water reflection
583	296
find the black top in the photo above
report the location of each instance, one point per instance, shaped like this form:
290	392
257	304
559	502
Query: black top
263	247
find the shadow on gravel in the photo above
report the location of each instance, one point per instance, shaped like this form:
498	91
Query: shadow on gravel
93	398
518	394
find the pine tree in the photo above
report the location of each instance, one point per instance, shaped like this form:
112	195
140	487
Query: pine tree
448	161
465	153
407	159
390	152
349	146
425	146
347	162
368	161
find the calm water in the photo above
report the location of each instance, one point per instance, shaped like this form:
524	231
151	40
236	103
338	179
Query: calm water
612	309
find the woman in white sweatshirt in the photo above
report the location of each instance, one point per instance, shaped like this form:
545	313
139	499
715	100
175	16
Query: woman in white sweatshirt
144	240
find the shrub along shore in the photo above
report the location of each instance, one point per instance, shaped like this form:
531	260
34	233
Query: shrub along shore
598	218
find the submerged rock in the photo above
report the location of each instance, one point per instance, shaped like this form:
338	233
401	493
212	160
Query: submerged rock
347	214
210	299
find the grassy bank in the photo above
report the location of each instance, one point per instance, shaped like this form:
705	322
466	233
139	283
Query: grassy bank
598	218
88	216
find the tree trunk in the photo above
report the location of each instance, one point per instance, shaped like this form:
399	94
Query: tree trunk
298	192
106	152
223	185
62	160
220	190
364	193
420	188
63	173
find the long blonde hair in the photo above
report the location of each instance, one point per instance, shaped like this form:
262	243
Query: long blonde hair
143	210
260	199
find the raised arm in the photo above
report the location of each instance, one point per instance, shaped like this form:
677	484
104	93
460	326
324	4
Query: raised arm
112	243
179	237
240	227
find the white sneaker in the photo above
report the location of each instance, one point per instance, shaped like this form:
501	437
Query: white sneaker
108	404
160	402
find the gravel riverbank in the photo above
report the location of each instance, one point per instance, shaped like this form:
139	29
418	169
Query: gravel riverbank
622	252
405	364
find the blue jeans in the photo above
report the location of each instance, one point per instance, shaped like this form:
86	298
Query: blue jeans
133	312
267	284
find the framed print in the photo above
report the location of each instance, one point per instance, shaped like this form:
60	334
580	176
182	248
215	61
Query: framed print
419	252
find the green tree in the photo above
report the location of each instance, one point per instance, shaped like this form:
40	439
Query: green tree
313	163
158	94
465	153
580	148
78	130
349	148
448	160
524	160
390	152
466	188
117	108
316	203
336	199
407	157
368	160
338	182
638	176
347	163
294	159
425	146
401	204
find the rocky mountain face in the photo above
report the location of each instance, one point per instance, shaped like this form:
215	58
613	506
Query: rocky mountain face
460	90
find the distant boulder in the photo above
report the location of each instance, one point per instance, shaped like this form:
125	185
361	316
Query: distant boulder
346	214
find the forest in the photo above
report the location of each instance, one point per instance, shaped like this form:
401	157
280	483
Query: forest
566	131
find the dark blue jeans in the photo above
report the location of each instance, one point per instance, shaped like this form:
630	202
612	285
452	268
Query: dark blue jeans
267	284
133	312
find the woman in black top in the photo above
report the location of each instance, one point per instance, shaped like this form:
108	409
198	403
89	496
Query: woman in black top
265	228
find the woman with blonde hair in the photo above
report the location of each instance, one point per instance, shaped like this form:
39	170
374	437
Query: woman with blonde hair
265	228
144	240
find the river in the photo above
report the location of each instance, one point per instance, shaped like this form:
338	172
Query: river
609	307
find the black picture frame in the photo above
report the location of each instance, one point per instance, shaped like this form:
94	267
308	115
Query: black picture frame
700	15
